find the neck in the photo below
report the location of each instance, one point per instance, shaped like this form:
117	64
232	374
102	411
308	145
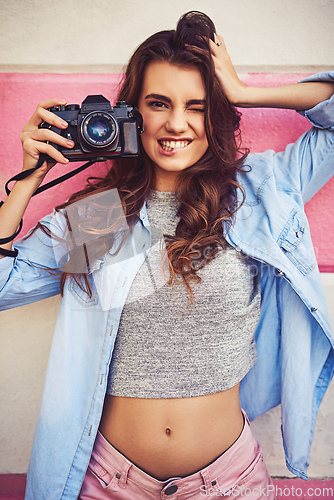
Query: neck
165	181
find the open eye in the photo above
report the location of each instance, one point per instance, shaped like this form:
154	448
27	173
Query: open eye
157	104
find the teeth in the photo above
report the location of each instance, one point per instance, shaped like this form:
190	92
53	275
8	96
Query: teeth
170	145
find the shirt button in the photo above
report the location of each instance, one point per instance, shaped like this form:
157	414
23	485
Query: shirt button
238	249
313	309
280	273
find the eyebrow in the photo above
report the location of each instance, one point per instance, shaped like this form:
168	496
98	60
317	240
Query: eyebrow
191	102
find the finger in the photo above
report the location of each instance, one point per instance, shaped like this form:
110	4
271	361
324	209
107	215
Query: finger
43	169
194	48
218	47
43	115
33	142
49	103
34	149
219	41
47	135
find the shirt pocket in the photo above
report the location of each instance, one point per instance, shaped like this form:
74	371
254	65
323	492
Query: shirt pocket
295	241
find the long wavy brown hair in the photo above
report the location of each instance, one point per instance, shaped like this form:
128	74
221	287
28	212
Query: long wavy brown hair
207	190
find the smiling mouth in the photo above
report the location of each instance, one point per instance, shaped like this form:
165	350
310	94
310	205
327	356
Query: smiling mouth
171	145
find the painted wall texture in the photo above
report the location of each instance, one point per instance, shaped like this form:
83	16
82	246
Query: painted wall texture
70	49
85	36
20	92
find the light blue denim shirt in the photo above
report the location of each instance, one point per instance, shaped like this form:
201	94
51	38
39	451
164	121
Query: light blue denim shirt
294	343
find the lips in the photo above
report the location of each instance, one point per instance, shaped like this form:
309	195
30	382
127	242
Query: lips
172	145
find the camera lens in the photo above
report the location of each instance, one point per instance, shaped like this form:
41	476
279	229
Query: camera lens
99	129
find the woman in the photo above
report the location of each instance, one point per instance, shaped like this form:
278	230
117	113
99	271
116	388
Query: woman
155	411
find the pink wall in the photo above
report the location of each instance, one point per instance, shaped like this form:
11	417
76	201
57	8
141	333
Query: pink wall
12	487
262	129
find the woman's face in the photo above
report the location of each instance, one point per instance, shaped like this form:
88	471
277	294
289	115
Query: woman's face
172	102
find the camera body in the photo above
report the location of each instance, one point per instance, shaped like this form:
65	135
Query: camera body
99	131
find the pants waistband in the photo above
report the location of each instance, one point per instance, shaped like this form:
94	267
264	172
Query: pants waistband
241	452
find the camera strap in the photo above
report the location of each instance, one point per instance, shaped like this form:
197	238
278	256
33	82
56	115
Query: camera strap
48	185
42	158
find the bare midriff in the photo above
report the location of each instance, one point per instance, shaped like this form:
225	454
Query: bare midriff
173	437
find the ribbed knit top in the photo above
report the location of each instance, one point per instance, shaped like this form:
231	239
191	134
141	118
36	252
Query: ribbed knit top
166	349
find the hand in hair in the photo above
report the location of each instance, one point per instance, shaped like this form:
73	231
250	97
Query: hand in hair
233	87
298	96
231	84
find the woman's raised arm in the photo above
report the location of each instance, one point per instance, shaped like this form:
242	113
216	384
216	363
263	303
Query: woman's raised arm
34	141
298	96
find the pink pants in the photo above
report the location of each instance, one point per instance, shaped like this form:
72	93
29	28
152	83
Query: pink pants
239	473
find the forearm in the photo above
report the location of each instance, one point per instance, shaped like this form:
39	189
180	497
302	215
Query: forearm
13	209
35	140
299	96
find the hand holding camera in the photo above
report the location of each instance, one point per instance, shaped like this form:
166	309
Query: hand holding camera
60	133
98	130
36	141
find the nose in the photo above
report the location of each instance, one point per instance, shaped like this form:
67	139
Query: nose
176	122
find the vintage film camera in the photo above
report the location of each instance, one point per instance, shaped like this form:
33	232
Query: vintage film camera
99	130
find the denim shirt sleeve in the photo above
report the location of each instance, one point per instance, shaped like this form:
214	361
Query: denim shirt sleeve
306	165
322	115
27	278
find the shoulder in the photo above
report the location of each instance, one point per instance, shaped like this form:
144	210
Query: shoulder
261	173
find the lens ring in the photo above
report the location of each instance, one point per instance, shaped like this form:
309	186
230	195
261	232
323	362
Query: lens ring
99	129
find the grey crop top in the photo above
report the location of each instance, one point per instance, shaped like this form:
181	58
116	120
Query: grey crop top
163	348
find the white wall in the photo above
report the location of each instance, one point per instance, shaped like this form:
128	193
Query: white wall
85	36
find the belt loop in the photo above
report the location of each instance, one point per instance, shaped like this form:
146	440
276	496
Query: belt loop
211	487
206	479
124	474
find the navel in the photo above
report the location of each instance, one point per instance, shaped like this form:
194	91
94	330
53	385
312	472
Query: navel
168	431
